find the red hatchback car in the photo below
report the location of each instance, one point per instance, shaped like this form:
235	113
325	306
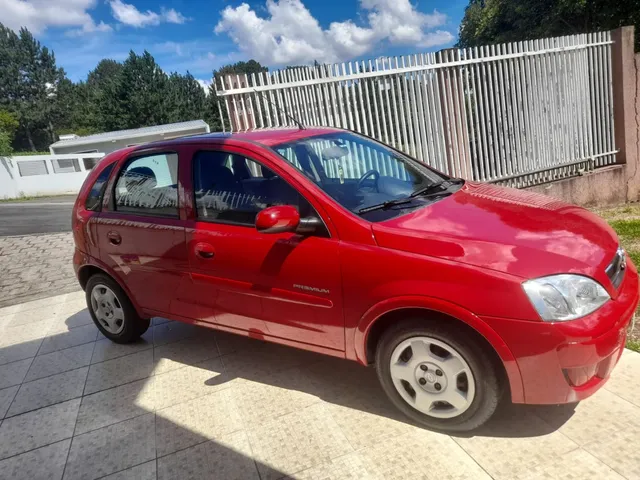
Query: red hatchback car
329	241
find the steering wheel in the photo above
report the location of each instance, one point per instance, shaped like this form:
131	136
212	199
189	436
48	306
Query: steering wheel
370	173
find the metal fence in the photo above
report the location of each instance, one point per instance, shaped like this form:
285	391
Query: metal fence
524	112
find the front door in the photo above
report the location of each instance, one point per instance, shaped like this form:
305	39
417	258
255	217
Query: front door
140	233
281	285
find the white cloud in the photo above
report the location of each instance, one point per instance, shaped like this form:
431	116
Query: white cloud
204	84
38	15
173	16
291	35
129	15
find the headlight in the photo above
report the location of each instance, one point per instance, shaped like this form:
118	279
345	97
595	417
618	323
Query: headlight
558	298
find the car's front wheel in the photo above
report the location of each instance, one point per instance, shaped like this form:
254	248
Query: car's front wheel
112	311
438	376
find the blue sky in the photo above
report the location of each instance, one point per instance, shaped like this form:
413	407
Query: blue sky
202	35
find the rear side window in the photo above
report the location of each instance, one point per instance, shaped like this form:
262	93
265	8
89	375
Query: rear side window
149	186
94	199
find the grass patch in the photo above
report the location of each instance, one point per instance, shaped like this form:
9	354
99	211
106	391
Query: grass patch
633	345
18	199
627	228
625	220
634	255
26	154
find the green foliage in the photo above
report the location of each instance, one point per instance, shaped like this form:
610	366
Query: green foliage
627	228
26	154
498	21
43	104
8	127
29	80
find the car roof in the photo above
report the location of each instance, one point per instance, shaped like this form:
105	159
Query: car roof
267	137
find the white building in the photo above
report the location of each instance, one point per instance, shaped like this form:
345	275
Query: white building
110	141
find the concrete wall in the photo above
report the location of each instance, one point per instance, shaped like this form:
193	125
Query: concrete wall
13	185
113	145
604	186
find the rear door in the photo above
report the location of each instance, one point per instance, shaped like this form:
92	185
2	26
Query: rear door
283	285
140	233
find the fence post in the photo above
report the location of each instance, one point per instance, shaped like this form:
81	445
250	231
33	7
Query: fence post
624	65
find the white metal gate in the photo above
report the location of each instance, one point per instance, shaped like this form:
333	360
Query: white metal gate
525	112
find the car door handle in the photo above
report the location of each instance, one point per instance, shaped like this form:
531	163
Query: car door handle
114	238
205	250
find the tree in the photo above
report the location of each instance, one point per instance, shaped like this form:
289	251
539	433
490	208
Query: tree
137	99
37	95
499	21
28	82
185	98
8	126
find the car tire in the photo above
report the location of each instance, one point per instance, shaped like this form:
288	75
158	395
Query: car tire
112	311
423	382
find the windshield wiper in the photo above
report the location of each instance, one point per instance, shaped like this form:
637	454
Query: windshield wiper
387	204
398	201
423	192
438	185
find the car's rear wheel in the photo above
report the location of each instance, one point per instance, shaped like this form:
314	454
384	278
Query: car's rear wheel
438	376
112	311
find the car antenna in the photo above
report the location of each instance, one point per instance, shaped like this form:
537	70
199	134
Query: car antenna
284	112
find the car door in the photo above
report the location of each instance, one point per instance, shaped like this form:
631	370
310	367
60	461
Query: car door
283	285
141	236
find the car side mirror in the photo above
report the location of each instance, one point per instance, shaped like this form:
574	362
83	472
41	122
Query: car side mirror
279	219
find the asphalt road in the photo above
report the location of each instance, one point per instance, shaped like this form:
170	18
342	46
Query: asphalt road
40	215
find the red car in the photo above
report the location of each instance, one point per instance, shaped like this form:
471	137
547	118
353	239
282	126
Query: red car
326	240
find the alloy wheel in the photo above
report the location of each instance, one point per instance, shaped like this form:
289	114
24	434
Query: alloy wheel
432	377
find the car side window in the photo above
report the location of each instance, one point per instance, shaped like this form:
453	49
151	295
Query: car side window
149	186
231	188
94	199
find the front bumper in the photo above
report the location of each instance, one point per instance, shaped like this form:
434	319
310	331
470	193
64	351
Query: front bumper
566	362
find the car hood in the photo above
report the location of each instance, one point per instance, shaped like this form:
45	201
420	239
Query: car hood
514	231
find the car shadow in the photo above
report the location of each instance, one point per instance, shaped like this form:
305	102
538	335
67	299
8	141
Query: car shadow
31	416
236	361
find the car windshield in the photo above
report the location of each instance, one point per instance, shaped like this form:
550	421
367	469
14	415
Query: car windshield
365	176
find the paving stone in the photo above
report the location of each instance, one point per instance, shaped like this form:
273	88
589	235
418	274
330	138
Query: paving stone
44	261
105	349
6	397
38	428
60	361
112	449
187	383
195	421
49	390
114	405
62	340
13	373
146	471
227	458
283	447
112	373
45	463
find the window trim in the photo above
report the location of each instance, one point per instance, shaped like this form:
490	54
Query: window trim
127	161
98	208
197	218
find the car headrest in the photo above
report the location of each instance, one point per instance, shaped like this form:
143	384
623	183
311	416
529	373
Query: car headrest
138	176
266	173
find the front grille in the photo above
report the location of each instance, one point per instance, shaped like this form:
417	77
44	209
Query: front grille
615	270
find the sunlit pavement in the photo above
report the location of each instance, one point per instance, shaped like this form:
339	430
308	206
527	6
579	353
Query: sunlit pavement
188	403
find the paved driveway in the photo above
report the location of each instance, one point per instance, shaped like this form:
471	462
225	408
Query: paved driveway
35	266
188	403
